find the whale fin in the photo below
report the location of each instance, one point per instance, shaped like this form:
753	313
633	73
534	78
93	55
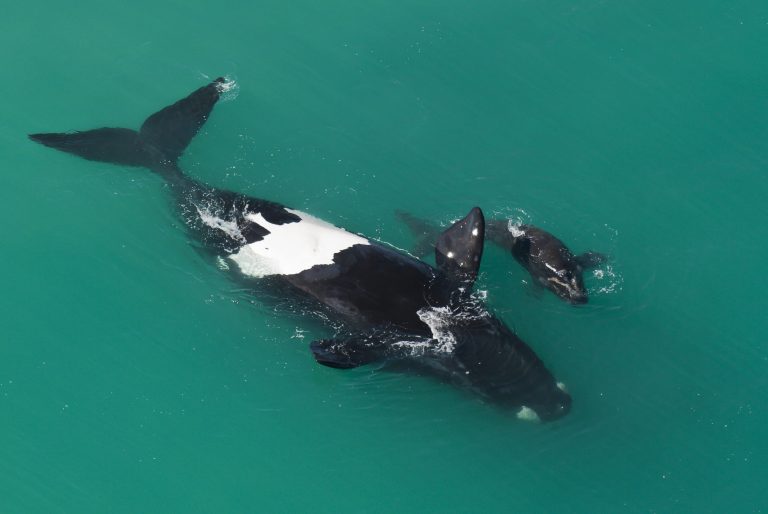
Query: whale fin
591	259
426	233
460	247
116	145
159	143
360	348
348	352
171	129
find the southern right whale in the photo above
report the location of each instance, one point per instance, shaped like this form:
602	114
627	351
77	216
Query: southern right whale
390	305
546	258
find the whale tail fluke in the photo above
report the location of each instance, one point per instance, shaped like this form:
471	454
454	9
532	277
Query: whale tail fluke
171	129
159	142
115	145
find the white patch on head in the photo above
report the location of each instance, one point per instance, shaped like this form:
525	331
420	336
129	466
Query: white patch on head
562	387
527	414
293	247
474	232
449	255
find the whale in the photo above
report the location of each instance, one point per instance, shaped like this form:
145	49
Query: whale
549	262
380	304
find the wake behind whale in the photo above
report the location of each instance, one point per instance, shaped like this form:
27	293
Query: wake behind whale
391	306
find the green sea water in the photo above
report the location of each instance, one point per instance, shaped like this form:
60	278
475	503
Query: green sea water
137	378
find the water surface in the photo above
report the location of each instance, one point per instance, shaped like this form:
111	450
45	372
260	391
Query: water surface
136	377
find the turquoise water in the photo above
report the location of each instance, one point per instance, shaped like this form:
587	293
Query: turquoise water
136	377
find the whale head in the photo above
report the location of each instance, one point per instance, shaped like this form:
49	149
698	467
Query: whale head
480	353
565	279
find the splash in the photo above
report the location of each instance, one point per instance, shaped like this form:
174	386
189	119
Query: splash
228	227
610	281
415	348
229	89
439	321
514	228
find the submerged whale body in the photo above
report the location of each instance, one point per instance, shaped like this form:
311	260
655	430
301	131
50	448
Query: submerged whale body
391	306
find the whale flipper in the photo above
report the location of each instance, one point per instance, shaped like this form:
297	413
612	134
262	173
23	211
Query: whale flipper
460	247
591	259
343	353
158	144
348	352
361	348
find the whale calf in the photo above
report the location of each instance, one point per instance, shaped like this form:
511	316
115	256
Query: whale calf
389	305
546	258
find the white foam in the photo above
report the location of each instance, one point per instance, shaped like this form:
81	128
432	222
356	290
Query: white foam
228	227
609	275
438	320
221	263
293	247
514	228
527	414
415	348
228	89
226	86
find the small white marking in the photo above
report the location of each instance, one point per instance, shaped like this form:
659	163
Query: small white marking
527	414
474	231
562	387
559	282
450	255
293	247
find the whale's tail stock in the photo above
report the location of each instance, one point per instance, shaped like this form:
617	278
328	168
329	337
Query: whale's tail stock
157	145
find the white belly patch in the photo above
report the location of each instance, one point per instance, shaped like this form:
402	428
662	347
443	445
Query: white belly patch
293	247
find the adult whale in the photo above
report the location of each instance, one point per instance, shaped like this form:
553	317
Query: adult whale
391	305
